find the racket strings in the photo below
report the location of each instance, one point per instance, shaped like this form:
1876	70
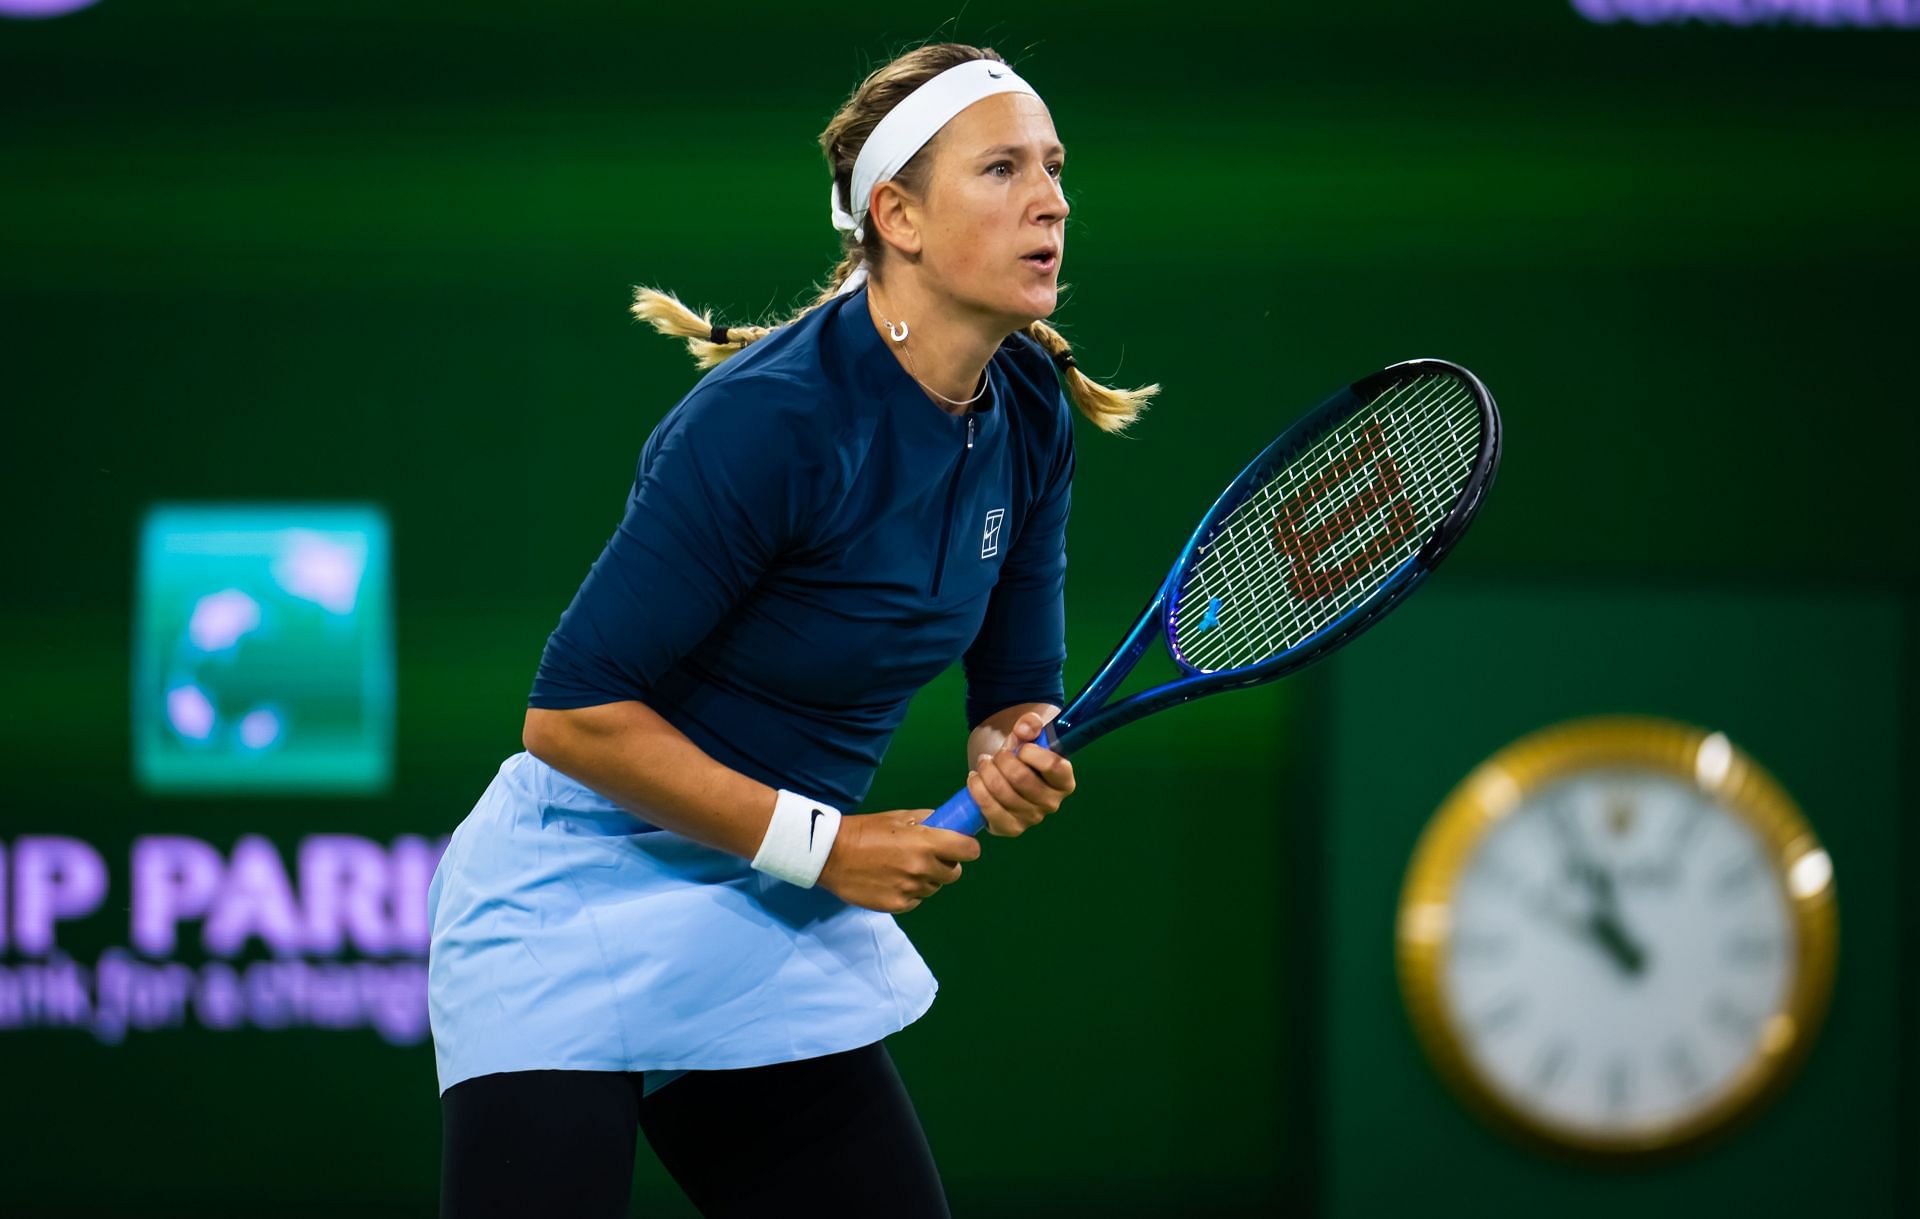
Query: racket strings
1271	619
1318	563
1270	574
1330	526
1259	563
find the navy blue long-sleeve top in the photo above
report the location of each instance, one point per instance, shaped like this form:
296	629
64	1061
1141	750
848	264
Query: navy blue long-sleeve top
810	539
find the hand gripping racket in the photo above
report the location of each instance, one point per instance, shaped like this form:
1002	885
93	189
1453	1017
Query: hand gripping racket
1328	529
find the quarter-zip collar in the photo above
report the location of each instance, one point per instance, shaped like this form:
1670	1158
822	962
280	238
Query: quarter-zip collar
873	369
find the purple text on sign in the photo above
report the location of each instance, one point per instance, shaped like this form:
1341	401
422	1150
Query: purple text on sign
351	892
53	879
1858	14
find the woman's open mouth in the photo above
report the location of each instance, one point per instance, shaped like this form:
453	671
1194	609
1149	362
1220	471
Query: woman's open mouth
1042	260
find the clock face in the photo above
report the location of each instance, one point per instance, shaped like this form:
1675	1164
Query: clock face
1617	936
1621	944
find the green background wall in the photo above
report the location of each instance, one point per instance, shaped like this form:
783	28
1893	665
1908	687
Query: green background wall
381	251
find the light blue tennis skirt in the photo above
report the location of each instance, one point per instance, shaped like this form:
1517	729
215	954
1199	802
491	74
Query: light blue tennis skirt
570	935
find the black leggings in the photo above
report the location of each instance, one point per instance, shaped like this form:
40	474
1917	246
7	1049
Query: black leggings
833	1135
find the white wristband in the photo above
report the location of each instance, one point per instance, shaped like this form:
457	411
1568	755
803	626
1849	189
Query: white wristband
798	839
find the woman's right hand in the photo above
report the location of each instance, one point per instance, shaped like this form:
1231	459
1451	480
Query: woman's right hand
891	862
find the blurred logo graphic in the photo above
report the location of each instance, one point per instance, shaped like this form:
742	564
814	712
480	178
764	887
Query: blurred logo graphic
41	8
263	656
1860	14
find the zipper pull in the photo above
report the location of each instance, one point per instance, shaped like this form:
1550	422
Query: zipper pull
969	431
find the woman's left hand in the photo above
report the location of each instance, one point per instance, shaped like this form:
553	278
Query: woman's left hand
1018	786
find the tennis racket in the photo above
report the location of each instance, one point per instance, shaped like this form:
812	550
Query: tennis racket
1323	533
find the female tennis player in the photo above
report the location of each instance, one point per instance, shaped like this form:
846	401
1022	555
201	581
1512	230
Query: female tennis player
660	914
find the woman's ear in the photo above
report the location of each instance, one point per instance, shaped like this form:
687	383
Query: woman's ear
894	214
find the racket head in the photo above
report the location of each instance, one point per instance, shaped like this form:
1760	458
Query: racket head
1332	524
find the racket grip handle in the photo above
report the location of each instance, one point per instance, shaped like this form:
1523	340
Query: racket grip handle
961	813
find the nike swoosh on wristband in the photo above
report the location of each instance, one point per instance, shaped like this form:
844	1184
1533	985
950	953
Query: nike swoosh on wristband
817	814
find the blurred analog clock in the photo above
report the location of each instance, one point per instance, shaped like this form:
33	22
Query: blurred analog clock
1617	936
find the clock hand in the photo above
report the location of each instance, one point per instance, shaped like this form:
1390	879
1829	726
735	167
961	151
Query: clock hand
1608	928
1605	924
1601	928
1579	864
1602	881
1605	930
1602	925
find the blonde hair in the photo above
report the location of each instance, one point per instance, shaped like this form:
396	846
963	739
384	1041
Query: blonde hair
846	133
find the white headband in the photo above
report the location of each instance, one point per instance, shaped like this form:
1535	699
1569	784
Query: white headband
906	129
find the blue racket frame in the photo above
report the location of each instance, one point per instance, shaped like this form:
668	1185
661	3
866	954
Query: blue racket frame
1087	717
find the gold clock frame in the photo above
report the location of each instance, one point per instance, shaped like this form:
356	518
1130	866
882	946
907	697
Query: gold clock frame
1502	782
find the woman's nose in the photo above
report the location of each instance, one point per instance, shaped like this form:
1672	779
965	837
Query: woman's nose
1053	205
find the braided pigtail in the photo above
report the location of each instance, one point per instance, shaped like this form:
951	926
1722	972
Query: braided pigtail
711	343
1111	410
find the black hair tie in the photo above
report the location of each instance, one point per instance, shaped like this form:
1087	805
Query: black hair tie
718	335
1064	360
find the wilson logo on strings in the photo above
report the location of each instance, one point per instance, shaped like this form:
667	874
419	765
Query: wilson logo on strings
1303	547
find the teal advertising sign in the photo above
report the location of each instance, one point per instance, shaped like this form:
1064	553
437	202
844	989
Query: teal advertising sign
263	650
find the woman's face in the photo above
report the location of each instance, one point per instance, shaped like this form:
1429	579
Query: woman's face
995	198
